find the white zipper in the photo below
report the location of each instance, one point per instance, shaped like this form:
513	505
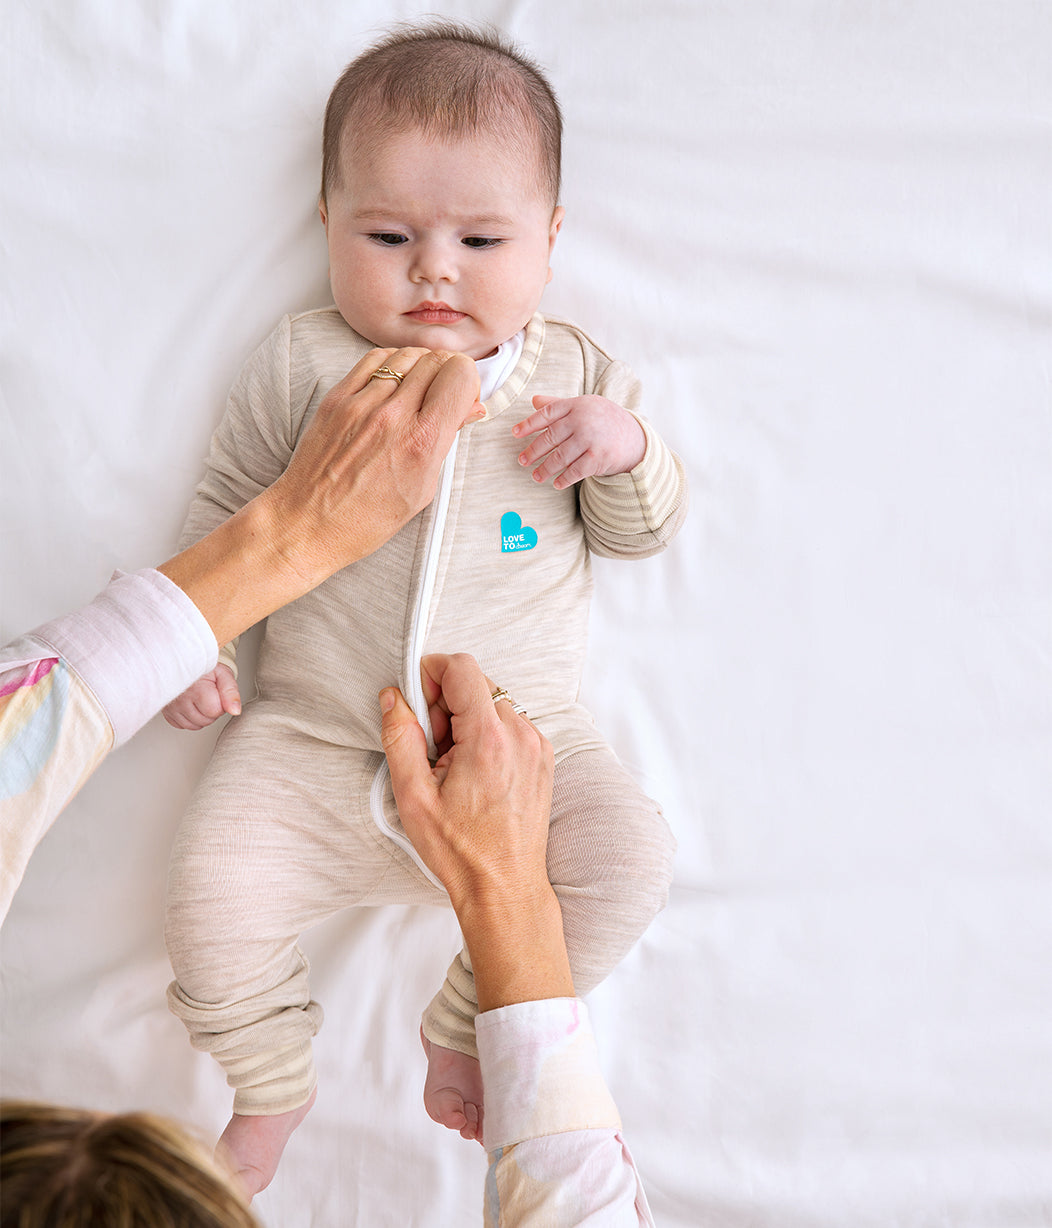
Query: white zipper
414	651
422	614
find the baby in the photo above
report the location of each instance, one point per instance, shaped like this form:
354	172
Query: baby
439	198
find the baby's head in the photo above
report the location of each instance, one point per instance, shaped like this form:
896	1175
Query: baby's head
440	186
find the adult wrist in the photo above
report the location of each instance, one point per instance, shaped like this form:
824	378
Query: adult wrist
244	569
515	940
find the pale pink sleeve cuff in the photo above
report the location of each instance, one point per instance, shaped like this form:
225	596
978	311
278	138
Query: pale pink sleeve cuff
540	1071
141	642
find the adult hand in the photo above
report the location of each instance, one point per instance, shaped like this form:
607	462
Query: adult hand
371	457
479	820
368	462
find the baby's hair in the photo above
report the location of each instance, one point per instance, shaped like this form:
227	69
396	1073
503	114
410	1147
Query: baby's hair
72	1168
447	79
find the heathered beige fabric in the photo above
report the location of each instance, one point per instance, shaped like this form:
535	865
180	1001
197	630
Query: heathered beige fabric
279	834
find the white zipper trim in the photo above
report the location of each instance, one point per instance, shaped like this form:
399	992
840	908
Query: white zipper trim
414	651
415	648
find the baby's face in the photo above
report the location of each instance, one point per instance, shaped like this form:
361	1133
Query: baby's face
438	244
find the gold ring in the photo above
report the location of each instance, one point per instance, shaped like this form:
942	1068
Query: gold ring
387	373
500	693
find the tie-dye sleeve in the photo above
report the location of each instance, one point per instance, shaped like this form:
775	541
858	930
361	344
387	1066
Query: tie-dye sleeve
76	687
552	1130
53	734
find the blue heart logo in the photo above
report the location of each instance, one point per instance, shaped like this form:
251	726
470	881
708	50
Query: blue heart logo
514	535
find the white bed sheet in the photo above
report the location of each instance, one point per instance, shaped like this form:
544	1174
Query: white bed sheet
821	234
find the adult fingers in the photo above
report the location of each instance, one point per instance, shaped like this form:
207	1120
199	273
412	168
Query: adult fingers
364	370
438	391
362	375
437	710
461	689
456	687
451	397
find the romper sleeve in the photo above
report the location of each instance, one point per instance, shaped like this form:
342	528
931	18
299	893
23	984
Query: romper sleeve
251	447
634	514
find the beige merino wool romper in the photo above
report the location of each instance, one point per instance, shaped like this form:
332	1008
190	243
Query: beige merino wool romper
294	819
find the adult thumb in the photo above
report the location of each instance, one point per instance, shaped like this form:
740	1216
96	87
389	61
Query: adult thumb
404	743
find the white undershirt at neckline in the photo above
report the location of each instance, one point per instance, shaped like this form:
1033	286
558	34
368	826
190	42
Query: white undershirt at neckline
495	369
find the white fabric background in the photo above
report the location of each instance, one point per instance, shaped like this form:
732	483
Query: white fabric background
821	233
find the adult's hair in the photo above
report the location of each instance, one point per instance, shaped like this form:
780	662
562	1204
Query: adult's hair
70	1168
449	80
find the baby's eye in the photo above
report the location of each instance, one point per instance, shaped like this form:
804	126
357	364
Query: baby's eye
388	238
479	241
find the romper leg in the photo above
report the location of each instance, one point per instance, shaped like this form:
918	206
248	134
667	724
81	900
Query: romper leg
274	841
610	856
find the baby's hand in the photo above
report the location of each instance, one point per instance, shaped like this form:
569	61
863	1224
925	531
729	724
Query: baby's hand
205	701
580	437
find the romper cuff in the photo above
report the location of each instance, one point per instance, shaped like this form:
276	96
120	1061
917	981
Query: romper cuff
650	492
141	642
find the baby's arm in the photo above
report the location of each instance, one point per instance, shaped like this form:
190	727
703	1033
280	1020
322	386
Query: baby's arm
580	437
628	512
249	451
204	702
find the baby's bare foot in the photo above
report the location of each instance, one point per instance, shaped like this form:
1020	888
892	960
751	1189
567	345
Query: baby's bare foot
251	1146
453	1090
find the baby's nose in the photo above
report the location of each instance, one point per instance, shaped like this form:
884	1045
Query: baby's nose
433	262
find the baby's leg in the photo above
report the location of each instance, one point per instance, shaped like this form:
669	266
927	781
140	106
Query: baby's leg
610	856
610	862
268	848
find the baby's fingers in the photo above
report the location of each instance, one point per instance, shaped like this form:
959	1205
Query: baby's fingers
566	464
184	713
537	421
585	466
176	716
226	689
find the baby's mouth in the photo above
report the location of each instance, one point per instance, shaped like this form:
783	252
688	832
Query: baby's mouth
435	313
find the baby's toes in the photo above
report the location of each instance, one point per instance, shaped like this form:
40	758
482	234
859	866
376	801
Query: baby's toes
446	1106
473	1128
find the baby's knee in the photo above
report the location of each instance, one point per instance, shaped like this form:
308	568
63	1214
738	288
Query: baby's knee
211	934
622	857
644	882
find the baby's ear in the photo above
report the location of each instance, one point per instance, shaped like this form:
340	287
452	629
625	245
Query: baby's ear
558	213
323	215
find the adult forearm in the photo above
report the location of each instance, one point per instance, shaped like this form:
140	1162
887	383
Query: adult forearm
515	940
254	563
